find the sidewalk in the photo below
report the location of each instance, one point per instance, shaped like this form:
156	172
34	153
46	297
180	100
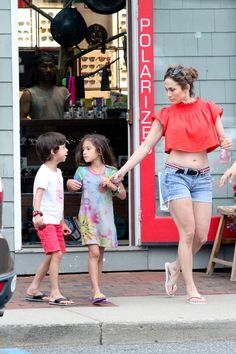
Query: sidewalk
139	311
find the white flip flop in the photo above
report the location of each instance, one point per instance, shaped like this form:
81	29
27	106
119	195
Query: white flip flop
169	282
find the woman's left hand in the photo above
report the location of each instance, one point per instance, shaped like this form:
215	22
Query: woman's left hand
226	143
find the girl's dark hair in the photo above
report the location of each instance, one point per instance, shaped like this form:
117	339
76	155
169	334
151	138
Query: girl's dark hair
47	142
183	75
102	145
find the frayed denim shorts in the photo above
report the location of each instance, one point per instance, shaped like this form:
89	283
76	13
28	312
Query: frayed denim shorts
177	185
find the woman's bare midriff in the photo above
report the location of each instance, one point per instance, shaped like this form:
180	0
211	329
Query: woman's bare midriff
195	160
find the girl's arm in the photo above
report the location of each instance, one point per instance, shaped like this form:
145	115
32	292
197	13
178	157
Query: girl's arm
118	190
73	185
225	142
121	192
38	219
141	152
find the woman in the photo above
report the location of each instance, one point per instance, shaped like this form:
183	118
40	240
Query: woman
192	127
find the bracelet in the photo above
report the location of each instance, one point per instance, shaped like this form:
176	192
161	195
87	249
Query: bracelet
117	190
37	212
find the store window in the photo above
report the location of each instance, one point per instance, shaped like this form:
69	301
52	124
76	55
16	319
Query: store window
101	107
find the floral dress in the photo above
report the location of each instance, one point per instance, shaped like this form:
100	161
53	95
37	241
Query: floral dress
96	216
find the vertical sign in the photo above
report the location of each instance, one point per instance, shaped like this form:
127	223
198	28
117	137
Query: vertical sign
146	99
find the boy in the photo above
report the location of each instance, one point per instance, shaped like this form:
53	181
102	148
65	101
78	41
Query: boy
48	204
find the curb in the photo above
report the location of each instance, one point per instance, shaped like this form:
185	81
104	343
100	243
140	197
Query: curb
116	333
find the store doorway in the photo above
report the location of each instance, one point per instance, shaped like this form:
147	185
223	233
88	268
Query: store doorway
101	110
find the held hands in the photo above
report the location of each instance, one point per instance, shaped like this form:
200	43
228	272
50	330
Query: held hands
106	182
117	177
73	185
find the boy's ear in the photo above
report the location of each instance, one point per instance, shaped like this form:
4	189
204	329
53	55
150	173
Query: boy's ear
52	152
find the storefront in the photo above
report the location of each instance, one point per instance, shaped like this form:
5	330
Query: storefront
158	34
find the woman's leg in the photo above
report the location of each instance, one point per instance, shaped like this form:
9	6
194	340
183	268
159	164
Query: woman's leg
94	267
42	270
202	216
182	211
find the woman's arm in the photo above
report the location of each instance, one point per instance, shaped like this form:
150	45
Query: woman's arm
141	152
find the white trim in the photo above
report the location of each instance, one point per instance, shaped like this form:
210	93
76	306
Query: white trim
136	115
16	127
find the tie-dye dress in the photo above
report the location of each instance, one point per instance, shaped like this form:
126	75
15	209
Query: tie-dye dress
96	216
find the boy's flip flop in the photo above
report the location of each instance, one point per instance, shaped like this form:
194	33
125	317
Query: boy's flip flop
37	298
169	283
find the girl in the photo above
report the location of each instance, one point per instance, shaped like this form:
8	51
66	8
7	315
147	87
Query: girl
192	127
96	220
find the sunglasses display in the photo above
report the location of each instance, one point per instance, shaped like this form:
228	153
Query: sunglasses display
25	36
34	29
122	20
94	61
45	38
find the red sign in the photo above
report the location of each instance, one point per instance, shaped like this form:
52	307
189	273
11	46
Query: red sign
22	4
154	229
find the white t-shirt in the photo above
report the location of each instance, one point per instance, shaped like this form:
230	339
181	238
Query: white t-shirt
52	204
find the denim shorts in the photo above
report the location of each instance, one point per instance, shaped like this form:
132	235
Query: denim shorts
175	185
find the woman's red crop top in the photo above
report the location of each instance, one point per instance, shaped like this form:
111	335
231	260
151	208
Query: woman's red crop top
190	127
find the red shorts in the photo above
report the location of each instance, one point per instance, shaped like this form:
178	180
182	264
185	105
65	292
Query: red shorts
52	239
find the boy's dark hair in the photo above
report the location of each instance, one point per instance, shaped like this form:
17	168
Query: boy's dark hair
102	145
47	142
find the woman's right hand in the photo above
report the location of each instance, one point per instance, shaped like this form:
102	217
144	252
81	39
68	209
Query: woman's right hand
73	185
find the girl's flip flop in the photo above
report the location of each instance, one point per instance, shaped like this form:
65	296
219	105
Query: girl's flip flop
99	297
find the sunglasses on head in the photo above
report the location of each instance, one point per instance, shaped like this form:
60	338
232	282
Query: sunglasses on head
175	71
